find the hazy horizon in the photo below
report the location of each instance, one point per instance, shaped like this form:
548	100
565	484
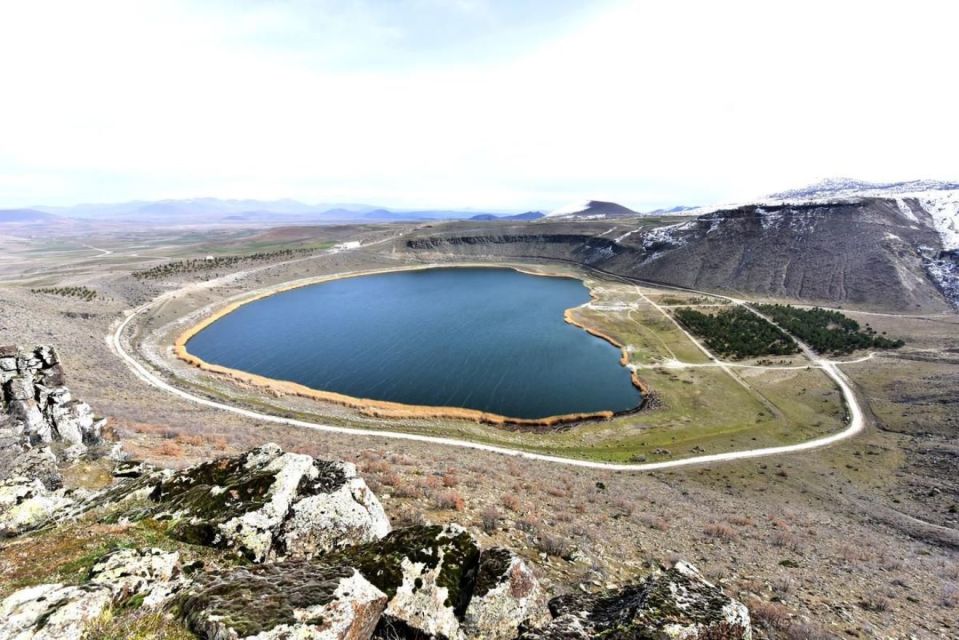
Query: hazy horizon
469	104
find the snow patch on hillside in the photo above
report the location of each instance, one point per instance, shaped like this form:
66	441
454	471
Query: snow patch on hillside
906	210
943	206
570	209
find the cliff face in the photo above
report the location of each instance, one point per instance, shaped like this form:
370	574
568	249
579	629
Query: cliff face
864	252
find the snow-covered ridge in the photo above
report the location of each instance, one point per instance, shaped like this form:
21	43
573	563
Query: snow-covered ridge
847	188
940	200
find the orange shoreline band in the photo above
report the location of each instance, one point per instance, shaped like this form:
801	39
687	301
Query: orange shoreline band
383	408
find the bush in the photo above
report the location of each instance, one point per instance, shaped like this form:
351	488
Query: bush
84	293
511	502
553	545
490	518
449	500
720	531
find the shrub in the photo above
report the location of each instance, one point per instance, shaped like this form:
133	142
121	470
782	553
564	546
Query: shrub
769	615
449	500
553	545
720	531
490	518
450	480
511	502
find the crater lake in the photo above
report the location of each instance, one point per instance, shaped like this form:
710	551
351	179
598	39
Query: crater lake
488	339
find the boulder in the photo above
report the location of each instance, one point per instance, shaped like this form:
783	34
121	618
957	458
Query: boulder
428	574
506	594
25	503
52	611
337	510
148	573
293	599
677	604
37	462
267	503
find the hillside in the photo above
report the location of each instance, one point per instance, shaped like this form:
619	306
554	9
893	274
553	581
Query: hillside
592	210
869	252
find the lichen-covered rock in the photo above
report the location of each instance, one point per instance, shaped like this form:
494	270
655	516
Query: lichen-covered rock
267	503
676	604
26	503
52	611
505	595
428	574
148	573
331	517
293	599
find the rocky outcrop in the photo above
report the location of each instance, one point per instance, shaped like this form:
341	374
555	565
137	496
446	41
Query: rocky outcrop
428	573
38	404
325	565
147	573
64	612
678	603
264	504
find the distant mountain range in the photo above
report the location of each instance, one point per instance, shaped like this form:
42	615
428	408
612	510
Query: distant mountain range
25	216
527	215
215	211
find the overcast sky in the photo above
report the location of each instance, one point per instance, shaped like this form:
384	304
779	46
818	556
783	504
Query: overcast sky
471	103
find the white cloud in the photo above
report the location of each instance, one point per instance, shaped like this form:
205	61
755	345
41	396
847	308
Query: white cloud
647	103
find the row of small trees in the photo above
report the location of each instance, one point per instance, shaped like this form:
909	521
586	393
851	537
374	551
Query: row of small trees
84	293
825	330
737	332
212	263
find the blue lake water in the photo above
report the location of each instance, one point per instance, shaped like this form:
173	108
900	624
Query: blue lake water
487	339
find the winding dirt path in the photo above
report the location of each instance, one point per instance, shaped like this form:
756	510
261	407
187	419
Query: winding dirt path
856	417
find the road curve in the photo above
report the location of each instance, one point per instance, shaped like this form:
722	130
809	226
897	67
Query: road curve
856	419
